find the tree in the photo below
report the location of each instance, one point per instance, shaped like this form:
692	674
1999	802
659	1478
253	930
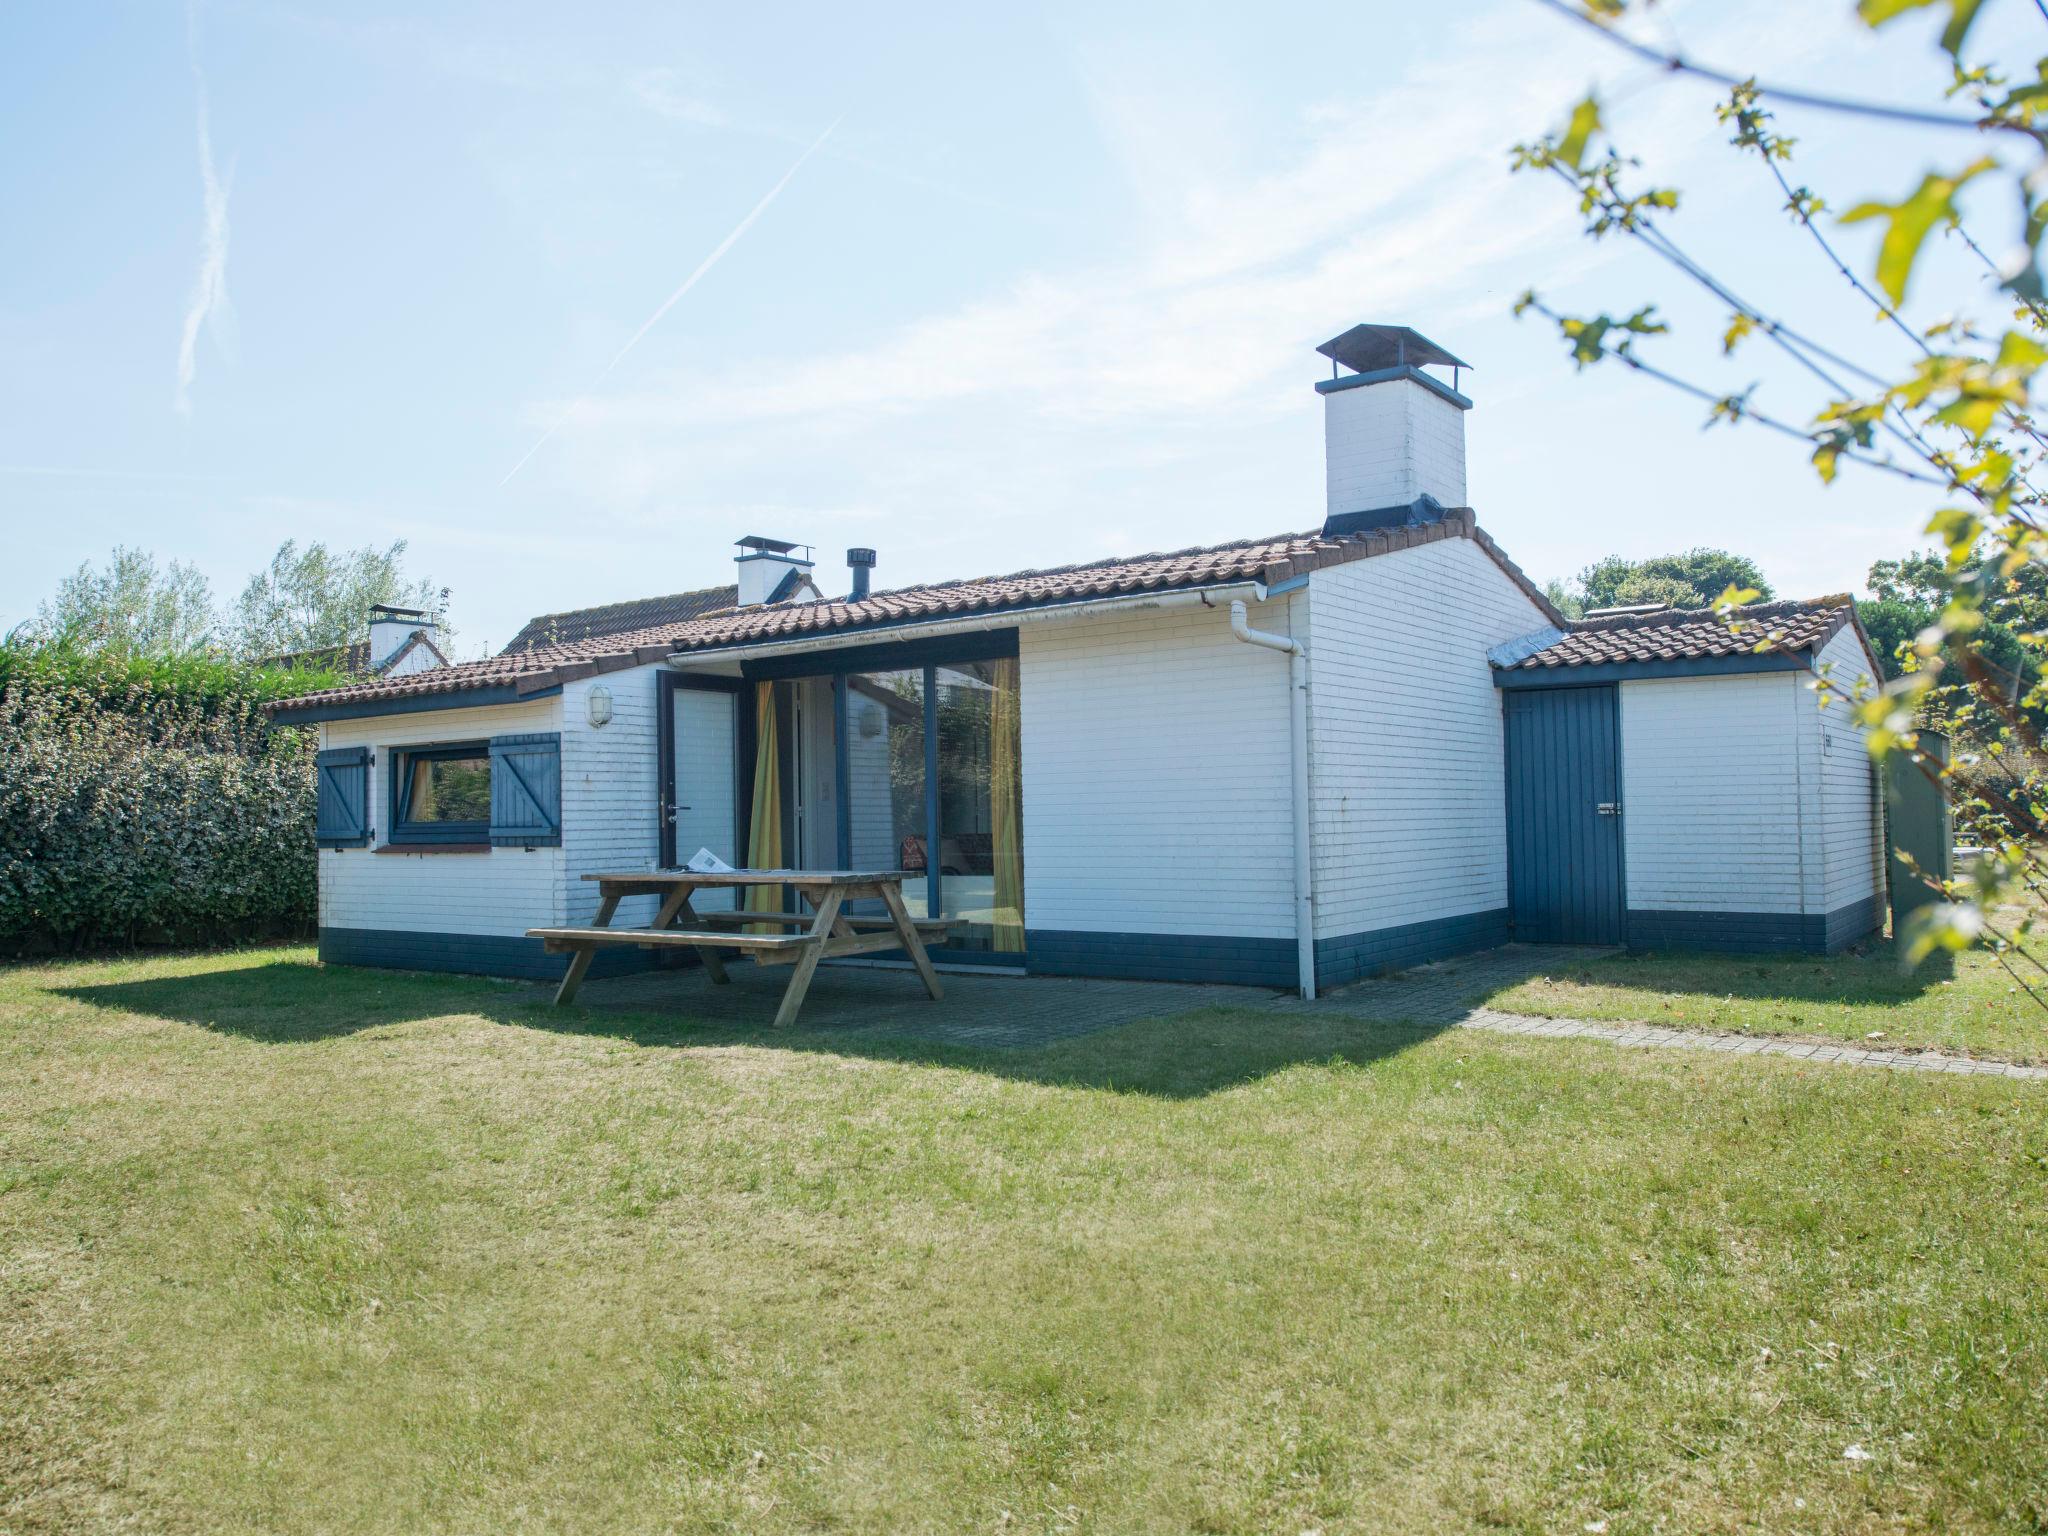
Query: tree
132	607
1956	418
1693	579
309	598
1564	599
1908	597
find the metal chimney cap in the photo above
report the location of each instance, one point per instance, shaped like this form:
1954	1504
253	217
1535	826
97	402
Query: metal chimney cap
1369	348
860	557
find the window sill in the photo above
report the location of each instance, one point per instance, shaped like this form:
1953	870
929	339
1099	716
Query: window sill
432	848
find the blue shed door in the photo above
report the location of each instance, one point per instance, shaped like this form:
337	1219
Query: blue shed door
1564	815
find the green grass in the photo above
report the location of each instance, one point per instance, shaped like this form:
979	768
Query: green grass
291	1250
1977	1008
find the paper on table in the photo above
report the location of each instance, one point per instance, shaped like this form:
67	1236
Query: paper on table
705	862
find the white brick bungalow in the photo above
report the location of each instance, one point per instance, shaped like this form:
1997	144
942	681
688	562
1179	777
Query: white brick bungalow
1289	761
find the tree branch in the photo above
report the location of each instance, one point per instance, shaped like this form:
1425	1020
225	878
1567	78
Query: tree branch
1679	64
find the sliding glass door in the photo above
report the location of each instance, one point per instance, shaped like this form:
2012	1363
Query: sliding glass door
916	767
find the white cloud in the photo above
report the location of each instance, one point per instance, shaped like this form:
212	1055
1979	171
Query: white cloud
1157	396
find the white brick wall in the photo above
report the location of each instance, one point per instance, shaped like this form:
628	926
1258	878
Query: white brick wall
1405	727
1711	771
504	891
1156	775
610	801
1386	444
1849	831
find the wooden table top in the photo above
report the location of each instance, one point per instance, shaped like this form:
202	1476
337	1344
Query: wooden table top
737	877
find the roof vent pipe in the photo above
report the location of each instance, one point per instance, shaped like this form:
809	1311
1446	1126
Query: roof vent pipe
861	561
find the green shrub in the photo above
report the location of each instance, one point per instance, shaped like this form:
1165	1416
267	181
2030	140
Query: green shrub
150	802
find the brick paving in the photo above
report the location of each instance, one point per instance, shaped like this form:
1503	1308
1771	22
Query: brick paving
1007	1012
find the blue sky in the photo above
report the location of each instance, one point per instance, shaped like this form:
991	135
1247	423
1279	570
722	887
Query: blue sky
1048	291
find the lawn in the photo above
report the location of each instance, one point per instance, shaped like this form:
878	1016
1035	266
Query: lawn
1865	995
292	1250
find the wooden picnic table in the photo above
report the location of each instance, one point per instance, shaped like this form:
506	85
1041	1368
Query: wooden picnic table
827	932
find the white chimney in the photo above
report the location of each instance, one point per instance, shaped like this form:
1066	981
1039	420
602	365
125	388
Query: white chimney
391	627
1392	434
770	571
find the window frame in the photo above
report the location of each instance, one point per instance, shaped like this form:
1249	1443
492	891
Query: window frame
405	831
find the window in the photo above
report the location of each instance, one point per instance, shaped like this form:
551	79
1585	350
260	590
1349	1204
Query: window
441	794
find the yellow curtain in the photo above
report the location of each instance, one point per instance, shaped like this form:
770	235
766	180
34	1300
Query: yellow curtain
420	804
1005	792
764	835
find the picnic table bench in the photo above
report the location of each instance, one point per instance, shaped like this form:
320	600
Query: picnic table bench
827	932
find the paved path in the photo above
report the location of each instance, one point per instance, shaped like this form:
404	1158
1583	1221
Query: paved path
1843	1054
1007	1012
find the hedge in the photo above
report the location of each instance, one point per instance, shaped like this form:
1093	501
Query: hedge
150	802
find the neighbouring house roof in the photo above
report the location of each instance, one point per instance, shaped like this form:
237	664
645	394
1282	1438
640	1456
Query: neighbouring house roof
354	659
620	618
1692	634
1271	561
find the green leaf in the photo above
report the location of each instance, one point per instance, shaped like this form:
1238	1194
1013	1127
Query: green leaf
1740	326
1579	132
1961	13
1910	222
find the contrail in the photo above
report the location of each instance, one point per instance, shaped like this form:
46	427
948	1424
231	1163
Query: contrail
687	284
210	289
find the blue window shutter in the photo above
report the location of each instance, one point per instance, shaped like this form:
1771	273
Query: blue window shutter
526	790
341	815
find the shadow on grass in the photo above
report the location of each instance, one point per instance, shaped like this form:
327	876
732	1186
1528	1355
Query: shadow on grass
1133	1046
1869	975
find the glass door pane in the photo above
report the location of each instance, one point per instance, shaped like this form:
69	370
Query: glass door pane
704	796
981	864
885	790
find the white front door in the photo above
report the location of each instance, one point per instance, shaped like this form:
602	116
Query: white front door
706	788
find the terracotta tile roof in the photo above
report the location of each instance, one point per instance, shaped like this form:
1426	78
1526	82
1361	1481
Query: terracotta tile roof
620	618
1271	560
1694	634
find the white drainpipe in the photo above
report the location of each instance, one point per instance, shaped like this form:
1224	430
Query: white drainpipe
1304	867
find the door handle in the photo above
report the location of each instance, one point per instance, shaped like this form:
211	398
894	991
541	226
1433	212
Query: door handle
1609	807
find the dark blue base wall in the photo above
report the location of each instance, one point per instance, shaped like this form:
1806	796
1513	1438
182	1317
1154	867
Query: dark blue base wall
1355	956
473	954
1160	957
1808	933
1257	962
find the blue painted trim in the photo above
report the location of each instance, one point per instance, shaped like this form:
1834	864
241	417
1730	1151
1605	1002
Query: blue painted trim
977	645
334	771
471	954
1582	676
841	774
1385	375
1355	956
413	704
1250	962
1291	584
399	797
541	792
1755	933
